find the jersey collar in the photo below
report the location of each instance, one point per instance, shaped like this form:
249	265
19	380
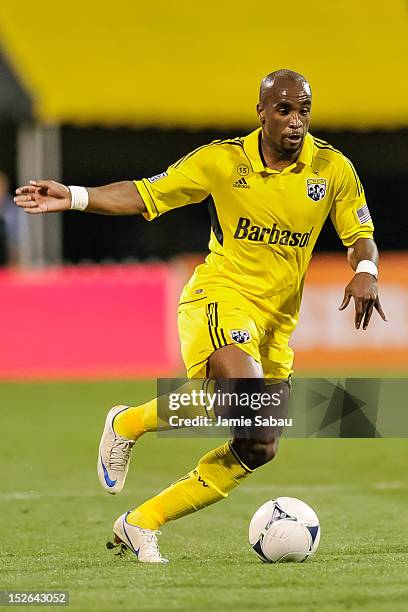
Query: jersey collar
251	148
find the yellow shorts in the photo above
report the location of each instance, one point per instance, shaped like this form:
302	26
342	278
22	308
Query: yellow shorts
206	324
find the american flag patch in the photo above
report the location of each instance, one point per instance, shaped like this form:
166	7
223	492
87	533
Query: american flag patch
363	214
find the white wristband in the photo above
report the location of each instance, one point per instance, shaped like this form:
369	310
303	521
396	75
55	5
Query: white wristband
367	266
79	197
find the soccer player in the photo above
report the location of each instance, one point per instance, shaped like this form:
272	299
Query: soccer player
269	194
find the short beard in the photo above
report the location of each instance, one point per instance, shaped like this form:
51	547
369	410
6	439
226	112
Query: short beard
289	154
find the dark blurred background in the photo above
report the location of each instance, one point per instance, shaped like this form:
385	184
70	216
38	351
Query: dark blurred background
95	155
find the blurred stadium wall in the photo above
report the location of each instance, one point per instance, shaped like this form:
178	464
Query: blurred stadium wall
131	87
182	63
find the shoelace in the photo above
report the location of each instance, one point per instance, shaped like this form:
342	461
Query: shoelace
152	544
120	454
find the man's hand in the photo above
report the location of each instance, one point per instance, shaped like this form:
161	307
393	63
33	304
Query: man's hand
363	288
121	198
43	197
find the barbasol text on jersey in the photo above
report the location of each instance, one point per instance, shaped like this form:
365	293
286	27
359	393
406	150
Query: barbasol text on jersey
271	235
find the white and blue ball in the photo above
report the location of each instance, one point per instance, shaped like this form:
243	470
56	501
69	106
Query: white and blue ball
284	529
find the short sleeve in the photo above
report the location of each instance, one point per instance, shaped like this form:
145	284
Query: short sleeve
187	181
349	213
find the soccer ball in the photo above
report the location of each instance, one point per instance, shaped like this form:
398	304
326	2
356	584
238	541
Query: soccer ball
284	529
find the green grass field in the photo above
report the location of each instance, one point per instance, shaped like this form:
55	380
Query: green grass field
55	519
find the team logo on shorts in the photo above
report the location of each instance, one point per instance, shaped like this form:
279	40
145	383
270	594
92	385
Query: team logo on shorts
316	189
157	177
240	336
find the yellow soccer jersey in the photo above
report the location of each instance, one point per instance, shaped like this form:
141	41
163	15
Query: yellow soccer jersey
264	223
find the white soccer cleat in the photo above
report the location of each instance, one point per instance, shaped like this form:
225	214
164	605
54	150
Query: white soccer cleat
142	542
114	455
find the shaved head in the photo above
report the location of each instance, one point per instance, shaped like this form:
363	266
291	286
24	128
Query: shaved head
277	77
285	102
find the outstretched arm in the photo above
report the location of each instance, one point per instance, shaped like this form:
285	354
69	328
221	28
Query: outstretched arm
49	196
363	286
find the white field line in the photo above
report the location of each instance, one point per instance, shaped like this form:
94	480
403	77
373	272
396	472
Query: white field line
291	489
326	488
33	495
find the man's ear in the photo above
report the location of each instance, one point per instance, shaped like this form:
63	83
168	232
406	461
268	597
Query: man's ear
261	113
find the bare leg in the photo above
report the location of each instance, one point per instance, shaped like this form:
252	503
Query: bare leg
232	362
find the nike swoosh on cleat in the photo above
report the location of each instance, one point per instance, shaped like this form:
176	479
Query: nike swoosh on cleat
126	534
109	482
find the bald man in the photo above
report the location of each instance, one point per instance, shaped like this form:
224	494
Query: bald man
269	194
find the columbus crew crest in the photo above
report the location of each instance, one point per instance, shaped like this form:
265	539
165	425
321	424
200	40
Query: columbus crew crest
316	189
240	336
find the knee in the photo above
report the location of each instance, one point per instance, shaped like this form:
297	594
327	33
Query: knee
263	451
255	453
